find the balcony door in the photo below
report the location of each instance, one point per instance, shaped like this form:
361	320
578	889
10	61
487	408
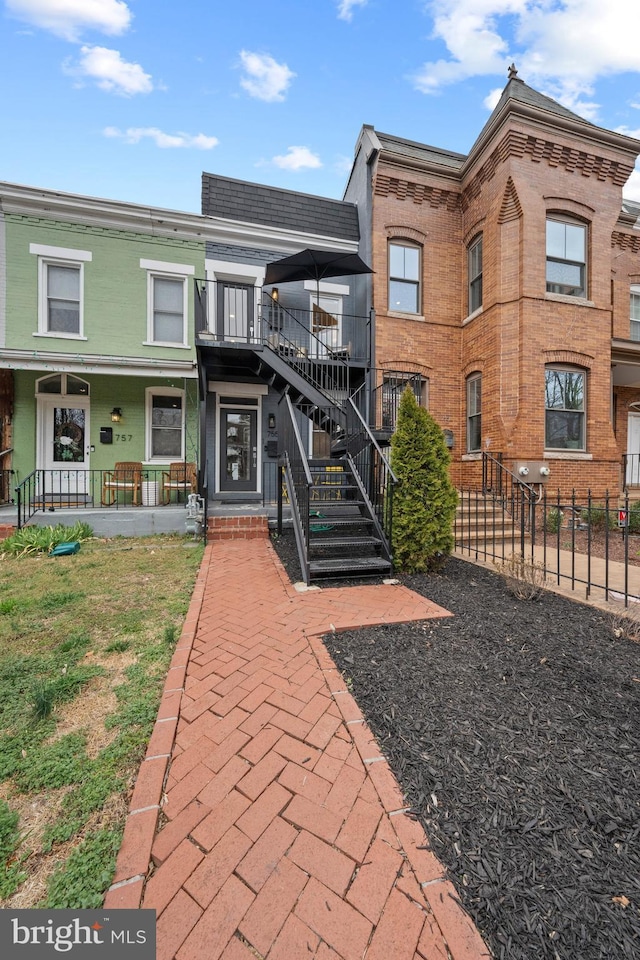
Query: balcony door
235	311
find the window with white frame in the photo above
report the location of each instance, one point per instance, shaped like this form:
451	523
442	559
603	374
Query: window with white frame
167	301
168	309
474	259
566	257
60	290
474	413
565	409
634	309
165	424
404	278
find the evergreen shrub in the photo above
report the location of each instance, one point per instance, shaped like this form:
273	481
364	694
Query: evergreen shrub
424	500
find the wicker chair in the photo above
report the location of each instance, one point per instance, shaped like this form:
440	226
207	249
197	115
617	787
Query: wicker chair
125	476
181	478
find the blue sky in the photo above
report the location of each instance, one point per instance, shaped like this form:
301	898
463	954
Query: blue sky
133	99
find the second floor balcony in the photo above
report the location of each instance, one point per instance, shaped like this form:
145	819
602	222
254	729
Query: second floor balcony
241	313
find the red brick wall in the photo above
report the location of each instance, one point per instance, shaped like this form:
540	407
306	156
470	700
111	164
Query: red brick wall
519	178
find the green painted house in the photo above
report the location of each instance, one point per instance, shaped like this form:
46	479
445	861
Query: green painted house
97	353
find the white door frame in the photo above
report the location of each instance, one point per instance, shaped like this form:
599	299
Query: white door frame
61	479
633	449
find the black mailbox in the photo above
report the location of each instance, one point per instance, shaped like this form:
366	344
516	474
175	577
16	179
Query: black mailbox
106	434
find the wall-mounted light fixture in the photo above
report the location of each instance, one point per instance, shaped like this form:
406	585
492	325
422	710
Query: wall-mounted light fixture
272	421
275	294
116	415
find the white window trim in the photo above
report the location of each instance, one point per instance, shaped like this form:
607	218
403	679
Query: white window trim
331	289
246	391
60	253
150	393
165	275
634	289
227	270
43	314
565	453
162	266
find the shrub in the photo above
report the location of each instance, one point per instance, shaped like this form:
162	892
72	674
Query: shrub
524	578
599	518
553	520
634	517
424	500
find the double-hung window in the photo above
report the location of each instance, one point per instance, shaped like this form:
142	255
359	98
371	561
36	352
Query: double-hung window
475	275
404	278
474	413
167	302
566	257
634	309
564	409
60	290
165	424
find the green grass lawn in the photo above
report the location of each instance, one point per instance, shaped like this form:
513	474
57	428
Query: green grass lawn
85	643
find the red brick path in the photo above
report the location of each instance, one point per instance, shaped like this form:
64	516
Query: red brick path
265	821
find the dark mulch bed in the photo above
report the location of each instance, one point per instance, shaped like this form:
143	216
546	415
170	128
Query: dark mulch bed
513	728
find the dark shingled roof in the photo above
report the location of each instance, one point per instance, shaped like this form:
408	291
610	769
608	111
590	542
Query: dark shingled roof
274	207
420	151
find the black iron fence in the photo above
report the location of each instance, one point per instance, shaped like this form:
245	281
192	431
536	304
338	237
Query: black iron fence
48	490
588	543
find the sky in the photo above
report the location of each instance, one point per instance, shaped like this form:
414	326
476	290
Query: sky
133	99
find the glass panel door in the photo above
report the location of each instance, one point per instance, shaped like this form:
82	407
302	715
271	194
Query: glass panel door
239	449
65	445
235	311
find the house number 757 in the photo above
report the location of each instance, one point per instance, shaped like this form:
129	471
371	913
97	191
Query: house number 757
124	436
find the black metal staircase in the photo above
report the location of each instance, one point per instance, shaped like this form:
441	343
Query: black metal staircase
345	537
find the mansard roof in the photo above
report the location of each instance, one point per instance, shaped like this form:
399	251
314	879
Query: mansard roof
248	203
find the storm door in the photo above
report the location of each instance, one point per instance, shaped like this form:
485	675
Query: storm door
238	449
63	429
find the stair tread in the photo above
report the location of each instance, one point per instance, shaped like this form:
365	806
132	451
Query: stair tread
349	564
328	542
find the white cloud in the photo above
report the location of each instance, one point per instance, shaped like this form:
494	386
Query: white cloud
491	100
265	78
631	189
561	46
110	72
298	158
163	140
345	8
68	18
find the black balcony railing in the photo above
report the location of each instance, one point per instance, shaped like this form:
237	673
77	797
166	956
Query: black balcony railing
50	490
233	313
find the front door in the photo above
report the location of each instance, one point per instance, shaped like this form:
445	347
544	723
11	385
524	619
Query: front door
633	450
64	432
239	449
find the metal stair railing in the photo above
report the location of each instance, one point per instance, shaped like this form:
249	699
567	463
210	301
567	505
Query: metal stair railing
516	498
372	466
298	480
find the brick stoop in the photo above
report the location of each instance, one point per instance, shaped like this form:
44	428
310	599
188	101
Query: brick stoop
7	530
237	528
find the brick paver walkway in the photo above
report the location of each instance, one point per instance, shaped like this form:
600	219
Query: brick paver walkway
265	822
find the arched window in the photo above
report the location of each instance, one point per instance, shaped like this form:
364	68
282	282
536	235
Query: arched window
566	256
474	413
474	271
404	277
